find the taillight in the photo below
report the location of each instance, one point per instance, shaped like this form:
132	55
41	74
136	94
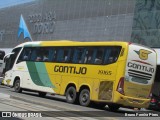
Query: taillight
120	87
153	100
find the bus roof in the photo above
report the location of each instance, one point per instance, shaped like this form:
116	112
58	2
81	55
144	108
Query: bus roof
70	43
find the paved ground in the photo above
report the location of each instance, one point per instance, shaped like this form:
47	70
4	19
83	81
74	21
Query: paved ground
56	107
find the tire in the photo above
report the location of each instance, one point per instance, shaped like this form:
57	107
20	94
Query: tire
113	107
42	94
71	95
84	98
17	87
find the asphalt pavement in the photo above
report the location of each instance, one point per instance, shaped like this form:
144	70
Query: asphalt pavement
28	105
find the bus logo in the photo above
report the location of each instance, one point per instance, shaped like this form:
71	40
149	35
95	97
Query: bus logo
143	54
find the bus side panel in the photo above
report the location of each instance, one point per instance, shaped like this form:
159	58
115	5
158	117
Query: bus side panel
34	76
66	80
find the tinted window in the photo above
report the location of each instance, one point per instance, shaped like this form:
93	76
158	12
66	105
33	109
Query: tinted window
78	55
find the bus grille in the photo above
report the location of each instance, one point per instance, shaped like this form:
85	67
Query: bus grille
143	77
105	90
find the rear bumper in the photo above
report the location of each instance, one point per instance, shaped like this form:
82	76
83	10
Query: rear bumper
131	101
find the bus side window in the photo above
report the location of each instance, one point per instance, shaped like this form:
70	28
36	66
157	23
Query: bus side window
88	55
25	54
67	54
79	55
74	55
99	56
112	54
36	55
51	54
45	55
60	55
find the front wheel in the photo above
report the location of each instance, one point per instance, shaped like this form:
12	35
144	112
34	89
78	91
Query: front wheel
84	97
17	87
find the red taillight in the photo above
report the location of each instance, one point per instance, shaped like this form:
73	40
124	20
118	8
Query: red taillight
153	100
120	87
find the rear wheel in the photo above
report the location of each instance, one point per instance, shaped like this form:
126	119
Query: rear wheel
42	94
17	87
84	97
113	107
71	95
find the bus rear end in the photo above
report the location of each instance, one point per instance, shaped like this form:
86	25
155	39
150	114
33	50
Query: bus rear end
135	87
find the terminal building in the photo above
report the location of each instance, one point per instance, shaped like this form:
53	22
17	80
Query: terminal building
135	21
82	20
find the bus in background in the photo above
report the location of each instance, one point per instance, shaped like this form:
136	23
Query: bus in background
2	54
117	74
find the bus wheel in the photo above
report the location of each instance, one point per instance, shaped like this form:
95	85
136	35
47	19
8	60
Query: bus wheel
17	87
113	107
84	97
71	95
42	94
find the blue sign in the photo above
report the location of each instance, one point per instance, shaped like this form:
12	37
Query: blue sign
23	29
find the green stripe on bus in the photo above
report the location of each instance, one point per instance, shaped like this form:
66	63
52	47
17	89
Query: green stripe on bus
33	73
39	74
43	75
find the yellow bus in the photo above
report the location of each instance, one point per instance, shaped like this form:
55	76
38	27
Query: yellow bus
117	74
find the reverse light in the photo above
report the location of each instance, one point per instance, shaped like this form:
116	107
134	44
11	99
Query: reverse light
120	87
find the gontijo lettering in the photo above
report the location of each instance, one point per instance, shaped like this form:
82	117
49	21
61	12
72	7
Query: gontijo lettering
140	67
70	69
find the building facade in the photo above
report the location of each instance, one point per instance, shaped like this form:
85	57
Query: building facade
82	20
